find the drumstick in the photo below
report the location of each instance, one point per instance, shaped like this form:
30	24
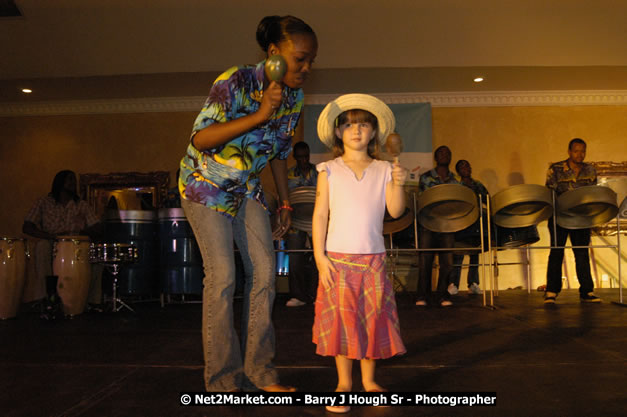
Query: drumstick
394	145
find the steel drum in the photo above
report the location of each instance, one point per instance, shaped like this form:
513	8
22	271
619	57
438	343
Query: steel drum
392	225
140	229
516	236
70	263
181	269
447	208
302	200
522	205
586	207
12	275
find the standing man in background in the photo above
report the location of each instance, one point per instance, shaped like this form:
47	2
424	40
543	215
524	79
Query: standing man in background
565	176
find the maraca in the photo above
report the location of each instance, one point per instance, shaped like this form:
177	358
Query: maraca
275	67
394	145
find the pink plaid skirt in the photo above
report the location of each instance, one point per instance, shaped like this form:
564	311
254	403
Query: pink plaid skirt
357	317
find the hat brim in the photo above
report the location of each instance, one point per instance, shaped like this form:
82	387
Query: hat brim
384	115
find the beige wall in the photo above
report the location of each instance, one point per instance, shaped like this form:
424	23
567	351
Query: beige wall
505	145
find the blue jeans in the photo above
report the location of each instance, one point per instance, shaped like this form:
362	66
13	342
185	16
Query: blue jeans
429	239
473	269
228	362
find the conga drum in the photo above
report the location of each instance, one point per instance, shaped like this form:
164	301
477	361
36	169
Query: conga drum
12	273
140	229
586	207
70	263
181	264
447	208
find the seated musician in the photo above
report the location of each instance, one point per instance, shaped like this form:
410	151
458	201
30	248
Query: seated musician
303	277
565	176
428	239
60	213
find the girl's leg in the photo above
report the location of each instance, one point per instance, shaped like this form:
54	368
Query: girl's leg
367	375
344	373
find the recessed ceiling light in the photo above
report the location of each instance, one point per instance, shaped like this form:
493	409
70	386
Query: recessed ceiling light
478	79
27	90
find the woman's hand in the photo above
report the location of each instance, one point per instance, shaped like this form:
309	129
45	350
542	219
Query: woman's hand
325	269
284	221
272	97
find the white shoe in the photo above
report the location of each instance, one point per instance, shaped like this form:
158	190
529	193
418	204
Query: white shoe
452	289
474	289
294	302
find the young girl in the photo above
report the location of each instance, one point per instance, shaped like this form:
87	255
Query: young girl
355	309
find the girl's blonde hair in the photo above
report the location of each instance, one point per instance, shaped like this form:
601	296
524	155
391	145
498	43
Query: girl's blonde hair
358	116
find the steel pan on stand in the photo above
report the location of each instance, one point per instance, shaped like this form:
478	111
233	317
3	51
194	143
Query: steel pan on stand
586	207
516	211
181	263
12	275
447	208
522	205
140	229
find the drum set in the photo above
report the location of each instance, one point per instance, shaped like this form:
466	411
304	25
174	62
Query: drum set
72	257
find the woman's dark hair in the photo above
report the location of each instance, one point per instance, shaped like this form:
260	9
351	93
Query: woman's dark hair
275	29
58	185
358	116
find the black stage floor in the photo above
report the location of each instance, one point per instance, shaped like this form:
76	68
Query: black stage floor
569	360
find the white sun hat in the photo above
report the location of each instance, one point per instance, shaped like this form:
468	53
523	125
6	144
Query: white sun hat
326	121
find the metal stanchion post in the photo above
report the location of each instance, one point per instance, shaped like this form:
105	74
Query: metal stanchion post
482	242
620	276
490	251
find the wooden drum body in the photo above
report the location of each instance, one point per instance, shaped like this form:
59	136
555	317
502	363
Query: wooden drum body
70	263
12	273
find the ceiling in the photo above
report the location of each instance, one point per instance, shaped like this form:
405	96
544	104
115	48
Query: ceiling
68	49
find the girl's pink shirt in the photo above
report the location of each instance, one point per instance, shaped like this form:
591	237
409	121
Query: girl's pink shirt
356	207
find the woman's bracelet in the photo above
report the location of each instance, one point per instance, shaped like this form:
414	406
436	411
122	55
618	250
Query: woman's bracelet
286	207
